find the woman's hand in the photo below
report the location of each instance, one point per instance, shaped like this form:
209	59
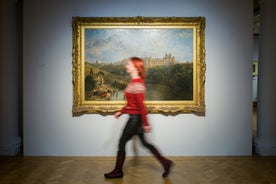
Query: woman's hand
147	129
117	114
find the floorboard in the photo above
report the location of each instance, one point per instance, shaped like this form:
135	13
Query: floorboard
138	170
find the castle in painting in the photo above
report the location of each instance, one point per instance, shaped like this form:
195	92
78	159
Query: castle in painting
152	62
168	59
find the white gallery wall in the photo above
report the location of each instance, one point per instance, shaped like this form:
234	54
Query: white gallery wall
50	129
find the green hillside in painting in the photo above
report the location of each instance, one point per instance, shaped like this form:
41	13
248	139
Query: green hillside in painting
106	82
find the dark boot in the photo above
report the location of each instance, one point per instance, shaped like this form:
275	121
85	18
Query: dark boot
167	164
118	170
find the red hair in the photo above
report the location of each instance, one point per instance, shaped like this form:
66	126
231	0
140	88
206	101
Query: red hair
139	64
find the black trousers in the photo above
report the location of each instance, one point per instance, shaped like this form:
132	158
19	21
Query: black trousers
133	127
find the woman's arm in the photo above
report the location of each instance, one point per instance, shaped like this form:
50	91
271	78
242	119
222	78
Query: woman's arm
142	108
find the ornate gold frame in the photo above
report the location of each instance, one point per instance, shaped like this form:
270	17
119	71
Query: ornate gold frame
197	105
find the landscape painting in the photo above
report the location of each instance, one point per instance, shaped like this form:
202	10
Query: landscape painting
173	54
167	54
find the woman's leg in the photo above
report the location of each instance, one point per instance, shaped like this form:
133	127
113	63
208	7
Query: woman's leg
132	128
165	162
117	172
129	130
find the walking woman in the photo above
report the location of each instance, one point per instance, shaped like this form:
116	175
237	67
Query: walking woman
137	123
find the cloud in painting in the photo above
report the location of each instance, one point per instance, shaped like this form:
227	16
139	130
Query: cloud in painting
109	45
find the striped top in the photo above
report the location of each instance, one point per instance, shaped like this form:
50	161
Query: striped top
134	94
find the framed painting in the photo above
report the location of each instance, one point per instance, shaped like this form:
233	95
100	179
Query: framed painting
173	51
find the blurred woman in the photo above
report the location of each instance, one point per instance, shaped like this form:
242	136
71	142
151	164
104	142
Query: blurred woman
137	123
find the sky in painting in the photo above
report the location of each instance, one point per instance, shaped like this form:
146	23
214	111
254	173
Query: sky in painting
111	45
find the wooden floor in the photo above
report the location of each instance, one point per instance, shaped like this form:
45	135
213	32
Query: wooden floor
138	170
